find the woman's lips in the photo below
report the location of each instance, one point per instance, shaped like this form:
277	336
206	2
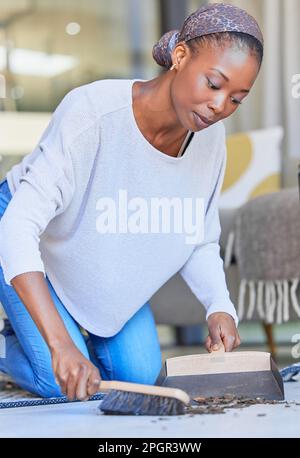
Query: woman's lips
201	123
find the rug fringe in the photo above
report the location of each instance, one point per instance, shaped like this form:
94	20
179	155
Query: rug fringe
271	299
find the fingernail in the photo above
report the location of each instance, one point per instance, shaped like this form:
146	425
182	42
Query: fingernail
215	347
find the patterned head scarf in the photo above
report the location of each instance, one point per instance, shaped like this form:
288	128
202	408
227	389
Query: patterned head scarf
213	18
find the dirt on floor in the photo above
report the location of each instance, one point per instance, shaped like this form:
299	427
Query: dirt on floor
212	405
201	405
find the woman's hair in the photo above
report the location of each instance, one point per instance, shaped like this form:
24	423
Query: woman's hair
213	25
163	55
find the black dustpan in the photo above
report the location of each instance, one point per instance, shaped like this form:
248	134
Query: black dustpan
248	374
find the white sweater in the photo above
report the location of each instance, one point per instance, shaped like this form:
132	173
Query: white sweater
68	189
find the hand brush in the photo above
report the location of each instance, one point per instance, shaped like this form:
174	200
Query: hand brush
126	398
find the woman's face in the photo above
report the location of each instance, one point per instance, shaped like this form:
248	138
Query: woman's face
212	84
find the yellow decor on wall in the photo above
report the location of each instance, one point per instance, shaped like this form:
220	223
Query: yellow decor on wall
237	163
269	184
253	166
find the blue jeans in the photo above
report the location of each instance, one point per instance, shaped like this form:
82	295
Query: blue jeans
132	355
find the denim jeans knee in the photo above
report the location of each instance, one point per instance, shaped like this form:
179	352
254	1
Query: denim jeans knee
45	390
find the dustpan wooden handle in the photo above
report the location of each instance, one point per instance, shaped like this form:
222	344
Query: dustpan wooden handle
220	350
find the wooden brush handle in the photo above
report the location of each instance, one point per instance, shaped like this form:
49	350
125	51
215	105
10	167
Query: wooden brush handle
107	385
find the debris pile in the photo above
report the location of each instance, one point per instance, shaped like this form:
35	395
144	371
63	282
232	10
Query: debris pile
213	405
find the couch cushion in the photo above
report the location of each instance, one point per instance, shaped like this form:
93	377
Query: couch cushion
253	165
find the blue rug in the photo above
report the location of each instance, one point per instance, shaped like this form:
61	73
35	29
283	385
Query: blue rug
11	395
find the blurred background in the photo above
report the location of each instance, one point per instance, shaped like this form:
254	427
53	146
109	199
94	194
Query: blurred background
48	47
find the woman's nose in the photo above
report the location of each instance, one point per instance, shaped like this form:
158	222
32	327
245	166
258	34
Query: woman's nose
217	104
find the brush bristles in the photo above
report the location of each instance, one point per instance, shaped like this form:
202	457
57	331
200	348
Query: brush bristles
126	403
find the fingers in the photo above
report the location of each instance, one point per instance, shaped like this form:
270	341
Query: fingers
237	341
208	344
93	385
72	383
81	382
54	366
222	329
62	381
216	339
81	390
229	342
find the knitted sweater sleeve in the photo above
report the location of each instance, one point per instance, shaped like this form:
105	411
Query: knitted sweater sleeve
44	191
203	271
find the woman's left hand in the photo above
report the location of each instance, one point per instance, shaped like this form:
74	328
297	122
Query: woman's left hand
222	329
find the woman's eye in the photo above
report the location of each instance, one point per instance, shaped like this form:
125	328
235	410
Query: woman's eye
235	101
211	85
215	88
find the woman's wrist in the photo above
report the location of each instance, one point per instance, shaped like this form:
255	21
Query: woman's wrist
56	343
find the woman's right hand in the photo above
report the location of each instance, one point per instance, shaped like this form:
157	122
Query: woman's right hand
76	375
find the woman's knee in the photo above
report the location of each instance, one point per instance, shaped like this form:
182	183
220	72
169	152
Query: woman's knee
147	377
134	353
48	389
143	370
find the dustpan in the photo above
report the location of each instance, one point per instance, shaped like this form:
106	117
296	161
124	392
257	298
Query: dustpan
250	374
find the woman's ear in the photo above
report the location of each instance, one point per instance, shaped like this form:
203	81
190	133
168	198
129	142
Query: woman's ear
180	53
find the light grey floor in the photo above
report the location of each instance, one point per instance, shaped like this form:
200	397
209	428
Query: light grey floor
85	420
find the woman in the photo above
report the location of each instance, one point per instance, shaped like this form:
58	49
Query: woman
67	266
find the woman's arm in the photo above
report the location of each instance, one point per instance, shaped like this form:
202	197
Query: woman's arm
45	190
76	375
204	272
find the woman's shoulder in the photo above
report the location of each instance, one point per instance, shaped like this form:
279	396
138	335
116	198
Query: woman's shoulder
107	95
84	105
